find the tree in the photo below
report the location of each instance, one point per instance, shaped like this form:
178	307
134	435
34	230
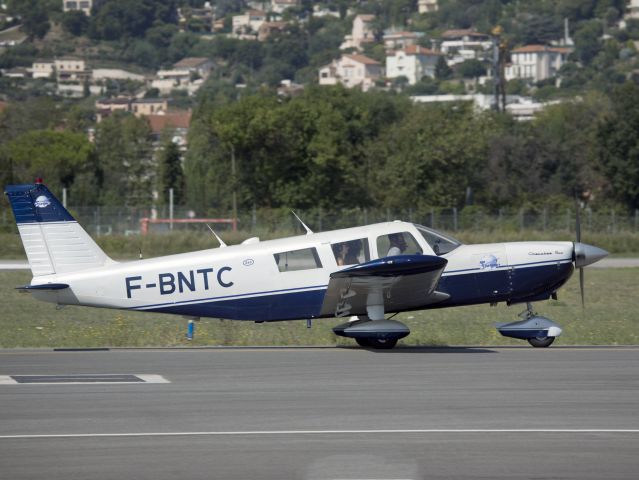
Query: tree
619	146
442	70
123	147
471	68
75	22
170	174
58	157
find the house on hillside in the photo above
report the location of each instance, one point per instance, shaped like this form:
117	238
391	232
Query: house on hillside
413	62
461	45
175	123
248	24
268	28
536	62
188	74
351	70
82	5
197	66
398	40
278	6
427	6
361	33
71	69
43	69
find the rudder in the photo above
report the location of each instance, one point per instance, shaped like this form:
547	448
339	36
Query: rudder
53	240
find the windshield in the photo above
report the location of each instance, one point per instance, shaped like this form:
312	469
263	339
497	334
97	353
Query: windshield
440	243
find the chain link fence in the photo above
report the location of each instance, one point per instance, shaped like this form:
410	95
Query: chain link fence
130	220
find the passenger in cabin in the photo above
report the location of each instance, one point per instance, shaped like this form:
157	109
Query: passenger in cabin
347	253
397	244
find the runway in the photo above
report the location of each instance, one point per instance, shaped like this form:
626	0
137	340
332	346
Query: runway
320	413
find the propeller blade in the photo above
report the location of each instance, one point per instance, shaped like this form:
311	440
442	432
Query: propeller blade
577	221
581	287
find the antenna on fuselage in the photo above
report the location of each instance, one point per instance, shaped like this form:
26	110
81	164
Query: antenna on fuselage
222	244
308	230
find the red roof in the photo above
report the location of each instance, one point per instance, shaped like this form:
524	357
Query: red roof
417	50
169	120
541	48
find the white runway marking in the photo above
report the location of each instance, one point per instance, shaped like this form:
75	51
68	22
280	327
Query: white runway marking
331	432
100	379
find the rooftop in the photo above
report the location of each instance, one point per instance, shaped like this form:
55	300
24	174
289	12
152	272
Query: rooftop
541	48
158	123
362	59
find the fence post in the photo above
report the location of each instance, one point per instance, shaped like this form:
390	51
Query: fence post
64	197
521	220
614	223
170	209
432	218
388	215
253	218
636	218
319	220
454	219
365	216
545	217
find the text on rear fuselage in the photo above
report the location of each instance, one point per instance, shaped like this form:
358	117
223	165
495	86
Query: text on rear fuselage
167	283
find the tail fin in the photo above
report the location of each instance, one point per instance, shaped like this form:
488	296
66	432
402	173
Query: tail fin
52	238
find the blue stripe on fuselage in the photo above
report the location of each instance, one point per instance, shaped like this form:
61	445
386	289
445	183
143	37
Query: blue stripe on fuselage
477	287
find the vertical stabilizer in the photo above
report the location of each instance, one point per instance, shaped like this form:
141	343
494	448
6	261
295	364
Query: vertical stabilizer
53	240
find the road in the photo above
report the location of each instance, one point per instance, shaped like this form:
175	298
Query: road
320	413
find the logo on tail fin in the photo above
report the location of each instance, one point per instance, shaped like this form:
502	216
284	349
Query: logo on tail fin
42	201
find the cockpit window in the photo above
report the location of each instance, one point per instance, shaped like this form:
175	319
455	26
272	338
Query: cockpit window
400	243
440	243
305	259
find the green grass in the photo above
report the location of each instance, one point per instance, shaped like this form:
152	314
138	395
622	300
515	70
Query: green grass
611	318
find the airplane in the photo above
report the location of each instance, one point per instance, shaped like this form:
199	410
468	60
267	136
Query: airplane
364	274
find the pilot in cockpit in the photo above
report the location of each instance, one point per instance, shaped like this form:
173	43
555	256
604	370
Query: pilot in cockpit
397	244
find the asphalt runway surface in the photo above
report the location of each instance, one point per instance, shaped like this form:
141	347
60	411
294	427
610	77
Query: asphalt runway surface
322	413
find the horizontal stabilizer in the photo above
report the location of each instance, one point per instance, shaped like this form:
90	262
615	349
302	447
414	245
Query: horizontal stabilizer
46	286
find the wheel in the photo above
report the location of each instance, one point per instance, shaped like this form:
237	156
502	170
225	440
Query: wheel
378	343
541	342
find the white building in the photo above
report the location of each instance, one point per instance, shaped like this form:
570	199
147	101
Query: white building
536	62
427	6
461	45
115	74
278	6
83	5
413	62
42	69
351	70
396	40
361	33
248	24
632	10
71	69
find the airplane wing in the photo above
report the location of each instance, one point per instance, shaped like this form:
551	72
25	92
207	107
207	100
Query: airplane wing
403	281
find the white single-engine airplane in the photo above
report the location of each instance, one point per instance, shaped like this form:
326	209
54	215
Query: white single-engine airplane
363	273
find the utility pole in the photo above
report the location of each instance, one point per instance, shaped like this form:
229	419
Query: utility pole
234	195
500	48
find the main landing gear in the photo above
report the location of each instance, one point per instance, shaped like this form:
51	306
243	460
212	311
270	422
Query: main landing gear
539	331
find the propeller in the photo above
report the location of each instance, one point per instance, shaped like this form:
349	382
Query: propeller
578	236
584	254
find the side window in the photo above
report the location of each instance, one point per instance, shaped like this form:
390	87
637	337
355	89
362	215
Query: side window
304	259
402	243
351	252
